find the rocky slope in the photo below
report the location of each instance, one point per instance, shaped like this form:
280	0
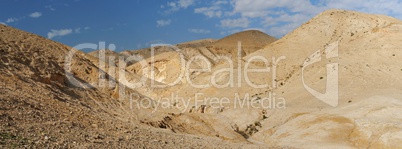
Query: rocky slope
40	107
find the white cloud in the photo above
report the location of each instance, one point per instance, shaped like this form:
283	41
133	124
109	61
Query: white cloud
11	20
87	28
209	11
35	15
162	23
233	23
185	3
220	2
199	31
62	32
215	10
275	17
278	16
284	23
32	15
179	4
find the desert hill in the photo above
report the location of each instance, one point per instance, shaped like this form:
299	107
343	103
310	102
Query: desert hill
366	49
40	107
366	52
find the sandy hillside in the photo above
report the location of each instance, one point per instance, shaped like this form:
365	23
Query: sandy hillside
369	98
367	66
40	108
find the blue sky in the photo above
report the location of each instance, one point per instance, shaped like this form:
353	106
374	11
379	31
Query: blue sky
133	24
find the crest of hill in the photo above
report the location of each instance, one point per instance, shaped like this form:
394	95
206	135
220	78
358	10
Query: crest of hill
251	38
